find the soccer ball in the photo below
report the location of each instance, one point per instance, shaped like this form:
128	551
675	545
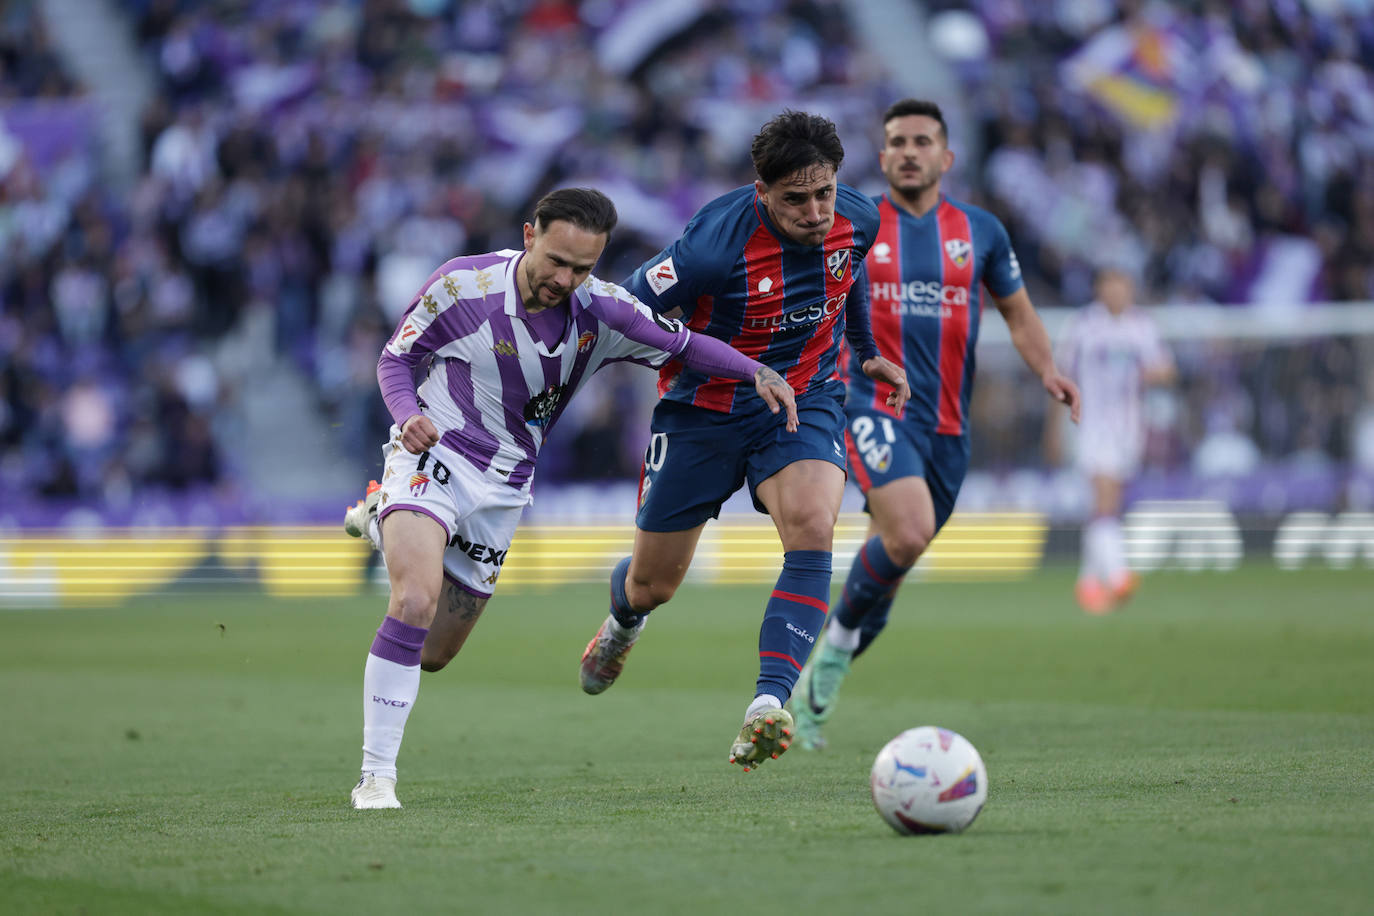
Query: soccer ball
929	780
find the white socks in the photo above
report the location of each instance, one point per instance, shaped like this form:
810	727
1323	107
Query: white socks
389	692
841	636
1104	550
761	702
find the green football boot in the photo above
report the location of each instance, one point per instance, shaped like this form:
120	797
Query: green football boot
817	689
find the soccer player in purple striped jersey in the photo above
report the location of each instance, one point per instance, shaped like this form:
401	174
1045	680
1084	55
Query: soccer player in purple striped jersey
768	267
925	274
501	341
1115	352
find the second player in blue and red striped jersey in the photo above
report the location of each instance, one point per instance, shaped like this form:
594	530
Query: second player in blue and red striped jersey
925	276
734	275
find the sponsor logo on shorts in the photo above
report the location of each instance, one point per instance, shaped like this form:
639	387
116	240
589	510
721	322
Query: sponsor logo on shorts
662	276
479	552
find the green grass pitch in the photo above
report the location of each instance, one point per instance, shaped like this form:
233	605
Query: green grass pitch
1209	749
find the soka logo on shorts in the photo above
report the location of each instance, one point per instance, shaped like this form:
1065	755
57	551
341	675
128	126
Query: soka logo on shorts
479	552
662	276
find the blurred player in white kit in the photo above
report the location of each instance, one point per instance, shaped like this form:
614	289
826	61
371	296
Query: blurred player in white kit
1114	352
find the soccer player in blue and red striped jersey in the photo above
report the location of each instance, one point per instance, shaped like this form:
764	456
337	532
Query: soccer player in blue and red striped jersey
925	273
769	268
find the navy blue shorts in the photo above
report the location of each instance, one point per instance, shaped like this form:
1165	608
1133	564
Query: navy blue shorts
697	457
882	449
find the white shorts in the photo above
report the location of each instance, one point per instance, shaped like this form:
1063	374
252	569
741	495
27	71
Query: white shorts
479	515
1107	452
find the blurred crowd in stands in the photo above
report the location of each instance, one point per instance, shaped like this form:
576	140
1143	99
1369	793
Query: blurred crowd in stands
1220	147
306	163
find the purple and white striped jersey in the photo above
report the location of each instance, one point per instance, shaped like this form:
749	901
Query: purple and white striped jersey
1107	355
491	386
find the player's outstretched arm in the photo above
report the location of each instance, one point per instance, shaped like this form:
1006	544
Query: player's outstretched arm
777	394
885	370
1032	341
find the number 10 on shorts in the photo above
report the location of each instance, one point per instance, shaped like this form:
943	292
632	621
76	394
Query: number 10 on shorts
654	456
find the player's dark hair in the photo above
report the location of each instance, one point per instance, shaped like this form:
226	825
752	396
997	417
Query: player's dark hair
792	141
904	107
585	208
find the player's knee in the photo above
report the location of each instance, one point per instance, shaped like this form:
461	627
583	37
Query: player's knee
647	594
414	606
809	530
906	545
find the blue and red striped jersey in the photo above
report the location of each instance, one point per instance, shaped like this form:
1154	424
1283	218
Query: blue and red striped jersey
925	277
736	277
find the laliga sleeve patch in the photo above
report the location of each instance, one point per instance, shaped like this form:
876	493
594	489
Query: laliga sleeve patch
405	337
662	276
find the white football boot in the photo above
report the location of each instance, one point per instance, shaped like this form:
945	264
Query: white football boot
358	517
373	791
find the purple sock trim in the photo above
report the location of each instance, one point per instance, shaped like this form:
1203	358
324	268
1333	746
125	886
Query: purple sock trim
398	642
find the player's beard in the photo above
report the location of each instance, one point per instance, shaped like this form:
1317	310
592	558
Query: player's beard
559	298
913	192
537	289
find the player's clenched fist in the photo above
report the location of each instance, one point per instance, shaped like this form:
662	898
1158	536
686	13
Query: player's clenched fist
419	434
